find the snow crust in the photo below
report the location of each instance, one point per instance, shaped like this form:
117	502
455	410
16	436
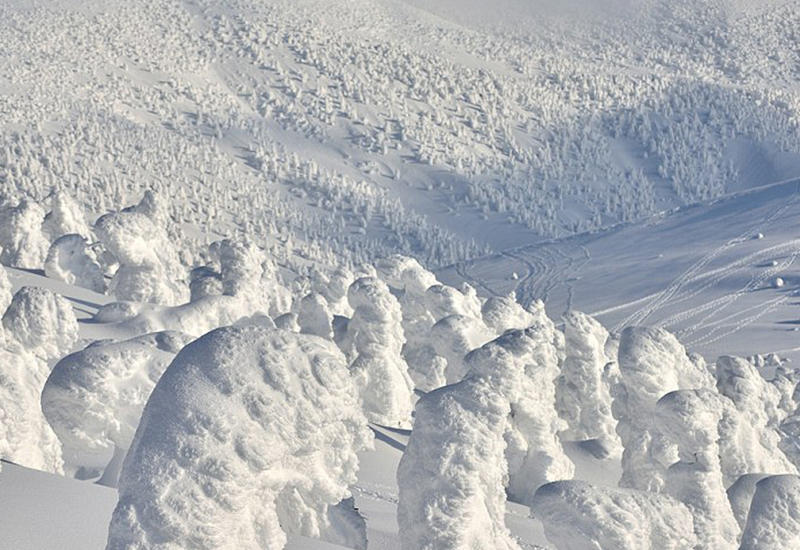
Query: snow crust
251	433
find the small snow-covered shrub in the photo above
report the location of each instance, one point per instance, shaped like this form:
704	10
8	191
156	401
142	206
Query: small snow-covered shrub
94	398
72	261
250	434
42	322
579	516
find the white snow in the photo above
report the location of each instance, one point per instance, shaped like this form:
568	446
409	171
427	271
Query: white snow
280	457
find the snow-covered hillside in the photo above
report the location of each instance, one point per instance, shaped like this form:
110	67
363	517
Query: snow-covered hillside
399	274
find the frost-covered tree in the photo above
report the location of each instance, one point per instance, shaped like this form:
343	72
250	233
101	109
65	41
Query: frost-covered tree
5	289
535	454
94	398
579	516
773	522
66	217
583	395
689	420
25	436
452	338
373	343
72	261
42	321
314	316
22	241
453	472
251	434
149	268
652	363
751	442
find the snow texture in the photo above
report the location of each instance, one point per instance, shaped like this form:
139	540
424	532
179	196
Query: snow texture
251	433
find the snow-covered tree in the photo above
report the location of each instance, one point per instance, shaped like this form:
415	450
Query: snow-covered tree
580	516
373	343
66	217
149	268
72	261
583	394
751	442
94	398
773	522
22	241
25	436
42	321
250	434
652	363
690	420
453	472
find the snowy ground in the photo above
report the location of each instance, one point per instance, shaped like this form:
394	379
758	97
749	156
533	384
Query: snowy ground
701	272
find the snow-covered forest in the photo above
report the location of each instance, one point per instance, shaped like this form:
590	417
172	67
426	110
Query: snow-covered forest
394	274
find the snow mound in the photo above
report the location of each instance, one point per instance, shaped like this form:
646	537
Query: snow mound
42	322
94	398
502	313
251	433
774	519
579	516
